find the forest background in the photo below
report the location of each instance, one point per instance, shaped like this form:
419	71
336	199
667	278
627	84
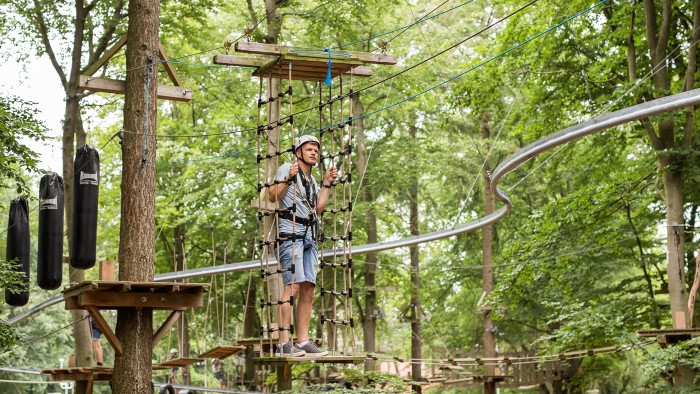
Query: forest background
580	262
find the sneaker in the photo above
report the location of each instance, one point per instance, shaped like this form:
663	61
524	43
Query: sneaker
311	349
287	350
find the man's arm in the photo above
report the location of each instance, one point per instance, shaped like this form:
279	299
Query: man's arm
277	192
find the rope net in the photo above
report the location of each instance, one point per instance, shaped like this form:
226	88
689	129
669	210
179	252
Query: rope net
333	230
336	220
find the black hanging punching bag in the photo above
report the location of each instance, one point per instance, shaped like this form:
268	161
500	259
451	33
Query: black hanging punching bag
86	189
49	264
18	249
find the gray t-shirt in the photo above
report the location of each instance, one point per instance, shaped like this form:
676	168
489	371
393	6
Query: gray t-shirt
302	201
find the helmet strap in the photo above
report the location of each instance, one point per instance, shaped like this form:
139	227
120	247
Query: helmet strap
301	151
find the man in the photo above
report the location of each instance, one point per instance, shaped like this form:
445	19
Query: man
298	188
173	370
218	368
96	346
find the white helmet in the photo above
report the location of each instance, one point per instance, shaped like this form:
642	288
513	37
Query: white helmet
173	350
305	139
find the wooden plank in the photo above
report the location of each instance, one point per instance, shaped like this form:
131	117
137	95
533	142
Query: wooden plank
179	362
241	61
654	333
222	352
106	85
329	359
168	66
165	327
79	288
271	49
107	55
162	301
106	329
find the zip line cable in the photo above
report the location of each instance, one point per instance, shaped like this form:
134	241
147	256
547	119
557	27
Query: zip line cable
424	18
406	69
220	46
463	204
312	108
436	55
507	51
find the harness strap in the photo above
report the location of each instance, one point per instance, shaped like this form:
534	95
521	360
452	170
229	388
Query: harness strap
303	221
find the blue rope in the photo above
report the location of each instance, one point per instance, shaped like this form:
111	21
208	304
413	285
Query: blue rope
426	90
329	76
401	28
145	117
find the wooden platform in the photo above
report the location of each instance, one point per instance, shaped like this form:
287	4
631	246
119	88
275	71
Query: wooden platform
178	362
329	359
94	296
223	352
693	332
306	64
102	374
310	67
87	374
669	336
255	342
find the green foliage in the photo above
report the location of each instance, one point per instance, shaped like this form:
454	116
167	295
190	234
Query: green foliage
18	124
10	280
665	361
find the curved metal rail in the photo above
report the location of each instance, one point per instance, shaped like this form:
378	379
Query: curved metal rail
595	125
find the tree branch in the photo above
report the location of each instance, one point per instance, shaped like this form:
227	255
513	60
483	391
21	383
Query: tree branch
108	35
43	30
253	16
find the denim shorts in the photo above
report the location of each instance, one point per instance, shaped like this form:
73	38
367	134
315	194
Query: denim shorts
305	259
96	333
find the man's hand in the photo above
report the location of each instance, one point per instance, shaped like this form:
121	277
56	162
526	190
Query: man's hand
331	174
293	171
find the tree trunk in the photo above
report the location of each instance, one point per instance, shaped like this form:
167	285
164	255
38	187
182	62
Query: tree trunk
132	370
666	141
369	323
72	128
416	353
487	269
678	293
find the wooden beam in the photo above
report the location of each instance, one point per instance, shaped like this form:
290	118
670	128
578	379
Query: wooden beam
271	49
168	66
241	61
106	330
166	301
163	329
105	85
105	58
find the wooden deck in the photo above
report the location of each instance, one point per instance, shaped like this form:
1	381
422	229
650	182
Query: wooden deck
178	362
328	359
223	352
94	296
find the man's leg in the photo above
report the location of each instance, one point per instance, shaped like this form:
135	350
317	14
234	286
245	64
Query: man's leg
286	310
304	306
97	347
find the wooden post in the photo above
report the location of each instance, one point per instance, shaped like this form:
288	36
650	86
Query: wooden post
107	270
